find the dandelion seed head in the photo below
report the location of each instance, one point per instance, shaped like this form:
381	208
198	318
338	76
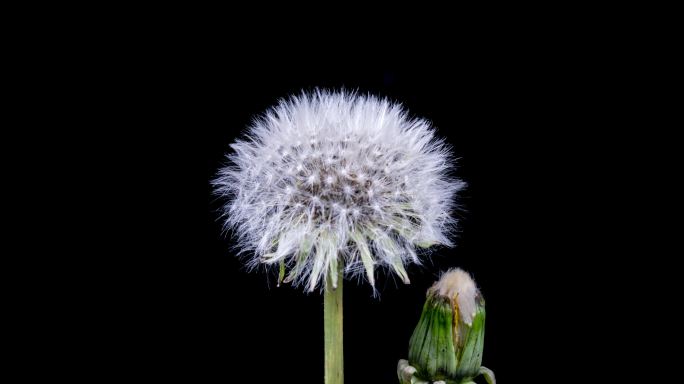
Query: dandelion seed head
333	178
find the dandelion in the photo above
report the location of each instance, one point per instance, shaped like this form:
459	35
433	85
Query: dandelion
337	179
448	342
330	184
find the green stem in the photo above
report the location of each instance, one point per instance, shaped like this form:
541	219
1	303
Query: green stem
332	324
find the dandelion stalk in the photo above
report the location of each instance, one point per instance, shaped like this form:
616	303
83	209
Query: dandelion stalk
332	326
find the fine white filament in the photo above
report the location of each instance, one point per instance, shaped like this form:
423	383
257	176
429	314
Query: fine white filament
332	179
456	284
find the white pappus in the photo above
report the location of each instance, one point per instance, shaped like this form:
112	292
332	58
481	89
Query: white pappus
330	179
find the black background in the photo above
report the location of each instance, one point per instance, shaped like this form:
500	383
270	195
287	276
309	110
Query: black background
550	119
560	126
190	309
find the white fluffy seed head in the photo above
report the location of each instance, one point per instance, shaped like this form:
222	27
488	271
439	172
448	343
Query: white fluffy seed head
456	284
328	179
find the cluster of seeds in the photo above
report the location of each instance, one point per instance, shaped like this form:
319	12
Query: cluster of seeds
335	179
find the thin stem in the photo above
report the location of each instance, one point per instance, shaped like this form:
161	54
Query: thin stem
332	324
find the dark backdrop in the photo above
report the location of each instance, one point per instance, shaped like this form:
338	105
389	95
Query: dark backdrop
195	311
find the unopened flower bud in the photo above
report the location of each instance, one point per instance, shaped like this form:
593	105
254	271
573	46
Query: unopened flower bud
448	341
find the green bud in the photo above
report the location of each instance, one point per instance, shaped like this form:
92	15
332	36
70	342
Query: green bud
448	341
